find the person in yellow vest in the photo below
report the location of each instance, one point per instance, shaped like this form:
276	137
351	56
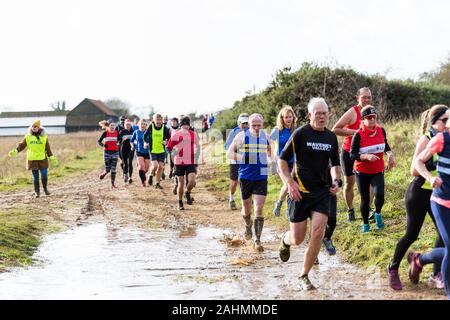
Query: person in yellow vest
38	154
156	138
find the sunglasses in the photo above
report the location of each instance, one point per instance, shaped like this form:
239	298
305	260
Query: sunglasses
371	117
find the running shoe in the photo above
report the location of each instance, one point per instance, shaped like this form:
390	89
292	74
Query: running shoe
163	176
394	279
305	283
414	267
379	221
317	261
158	186
365	228
174	190
143	184
351	214
188	197
180	205
257	246
233	205
125	177
130	180
113	186
371	214
436	281
285	251
102	175
328	243
277	209
150	180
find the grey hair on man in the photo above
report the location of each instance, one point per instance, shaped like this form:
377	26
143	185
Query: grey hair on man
315	101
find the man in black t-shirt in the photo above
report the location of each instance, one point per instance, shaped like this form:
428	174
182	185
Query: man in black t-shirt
310	186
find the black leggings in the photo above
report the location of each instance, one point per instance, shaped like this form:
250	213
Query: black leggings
417	202
364	181
331	224
127	161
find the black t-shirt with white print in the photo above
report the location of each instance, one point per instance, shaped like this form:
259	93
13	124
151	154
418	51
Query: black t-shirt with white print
313	151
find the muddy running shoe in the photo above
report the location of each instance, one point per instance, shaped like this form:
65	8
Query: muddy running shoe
130	180
188	197
143	184
365	228
317	261
414	267
158	186
285	251
436	281
233	205
257	246
277	209
125	177
102	175
371	214
180	205
394	279
305	283
379	221
328	243
175	190
351	215
150	180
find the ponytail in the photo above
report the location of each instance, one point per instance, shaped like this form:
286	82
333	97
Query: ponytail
103	124
425	120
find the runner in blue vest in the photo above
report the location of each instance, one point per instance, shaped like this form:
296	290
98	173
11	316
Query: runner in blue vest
440	202
142	153
252	150
281	133
234	166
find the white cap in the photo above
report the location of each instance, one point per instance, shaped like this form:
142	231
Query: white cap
243	117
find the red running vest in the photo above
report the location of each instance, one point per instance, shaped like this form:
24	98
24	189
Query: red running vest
374	145
111	141
346	145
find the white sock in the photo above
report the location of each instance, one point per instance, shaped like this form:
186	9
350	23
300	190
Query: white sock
231	197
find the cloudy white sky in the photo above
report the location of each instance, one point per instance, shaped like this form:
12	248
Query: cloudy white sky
202	54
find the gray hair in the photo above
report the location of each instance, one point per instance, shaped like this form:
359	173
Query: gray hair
256	116
312	103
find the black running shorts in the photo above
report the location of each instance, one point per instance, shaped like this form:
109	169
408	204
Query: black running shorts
234	171
144	155
185	169
318	201
249	187
346	163
160	157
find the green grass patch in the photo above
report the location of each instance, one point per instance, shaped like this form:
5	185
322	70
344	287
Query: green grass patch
20	235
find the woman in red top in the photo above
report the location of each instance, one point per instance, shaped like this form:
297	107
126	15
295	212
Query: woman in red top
108	140
368	147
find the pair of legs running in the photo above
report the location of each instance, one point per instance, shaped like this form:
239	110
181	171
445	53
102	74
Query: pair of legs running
157	168
143	166
258	204
44	178
191	182
110	160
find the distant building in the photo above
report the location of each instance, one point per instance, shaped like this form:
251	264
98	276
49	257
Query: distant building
86	116
17	123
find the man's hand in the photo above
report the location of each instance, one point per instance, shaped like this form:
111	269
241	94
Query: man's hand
294	190
391	161
334	187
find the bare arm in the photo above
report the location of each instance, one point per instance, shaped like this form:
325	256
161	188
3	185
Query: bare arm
232	153
420	146
419	164
348	118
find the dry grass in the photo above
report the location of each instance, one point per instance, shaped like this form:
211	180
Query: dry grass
68	148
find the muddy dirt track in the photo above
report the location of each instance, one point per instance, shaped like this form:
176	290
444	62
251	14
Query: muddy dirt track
133	243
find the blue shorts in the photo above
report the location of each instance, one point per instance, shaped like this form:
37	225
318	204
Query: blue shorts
160	157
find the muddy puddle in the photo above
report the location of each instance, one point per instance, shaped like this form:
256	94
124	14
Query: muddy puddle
101	262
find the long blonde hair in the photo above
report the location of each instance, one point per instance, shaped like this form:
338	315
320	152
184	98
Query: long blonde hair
104	124
428	114
282	113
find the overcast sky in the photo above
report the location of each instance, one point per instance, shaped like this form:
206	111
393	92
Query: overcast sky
202	54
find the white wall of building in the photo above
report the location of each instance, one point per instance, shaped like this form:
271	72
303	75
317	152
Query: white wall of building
19	126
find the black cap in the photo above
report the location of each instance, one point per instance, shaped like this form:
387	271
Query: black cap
369	111
185	121
122	118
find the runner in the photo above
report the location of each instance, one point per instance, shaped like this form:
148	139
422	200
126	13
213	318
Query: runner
142	153
156	138
286	121
251	148
38	154
136	123
174	126
332	220
184	146
125	151
417	200
347	126
310	188
242	125
367	149
440	202
108	140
